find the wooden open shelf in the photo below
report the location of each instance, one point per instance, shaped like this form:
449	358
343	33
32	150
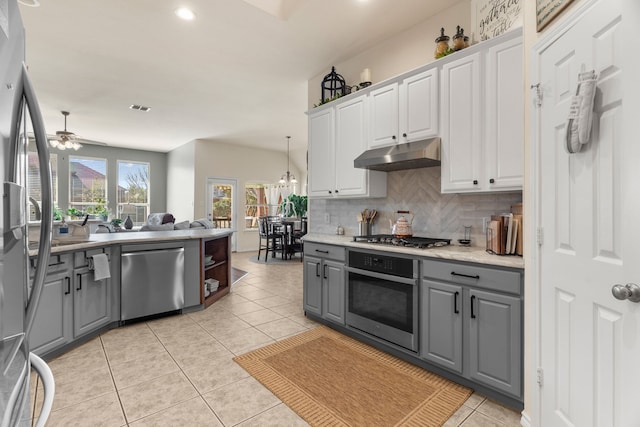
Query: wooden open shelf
220	251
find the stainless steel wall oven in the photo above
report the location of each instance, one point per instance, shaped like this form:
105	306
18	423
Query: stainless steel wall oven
382	297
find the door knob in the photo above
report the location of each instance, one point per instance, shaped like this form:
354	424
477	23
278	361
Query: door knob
630	291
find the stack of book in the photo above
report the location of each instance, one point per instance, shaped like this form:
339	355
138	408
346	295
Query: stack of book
505	232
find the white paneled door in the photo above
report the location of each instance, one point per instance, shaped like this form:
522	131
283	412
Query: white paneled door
588	211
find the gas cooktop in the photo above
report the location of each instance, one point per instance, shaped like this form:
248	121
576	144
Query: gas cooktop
411	242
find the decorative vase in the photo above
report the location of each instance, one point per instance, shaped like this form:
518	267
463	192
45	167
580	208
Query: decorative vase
128	223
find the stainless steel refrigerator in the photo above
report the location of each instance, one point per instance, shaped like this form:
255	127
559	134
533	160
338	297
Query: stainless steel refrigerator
19	295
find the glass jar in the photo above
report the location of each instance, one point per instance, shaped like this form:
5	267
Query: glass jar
442	45
458	39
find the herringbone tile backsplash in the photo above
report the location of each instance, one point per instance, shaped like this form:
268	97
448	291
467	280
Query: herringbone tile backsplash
416	190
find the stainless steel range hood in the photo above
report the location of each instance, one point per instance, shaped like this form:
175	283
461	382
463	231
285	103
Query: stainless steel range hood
410	155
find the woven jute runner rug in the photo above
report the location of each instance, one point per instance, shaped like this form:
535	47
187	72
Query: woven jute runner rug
330	379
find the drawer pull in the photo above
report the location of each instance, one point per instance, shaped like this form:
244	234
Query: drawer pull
473	299
453	273
455	303
322	252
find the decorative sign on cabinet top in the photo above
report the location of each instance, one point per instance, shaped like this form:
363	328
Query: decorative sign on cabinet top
490	18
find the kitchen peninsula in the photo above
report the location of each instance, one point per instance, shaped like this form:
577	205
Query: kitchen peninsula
151	273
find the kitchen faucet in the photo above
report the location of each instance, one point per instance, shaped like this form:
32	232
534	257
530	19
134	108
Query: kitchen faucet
36	208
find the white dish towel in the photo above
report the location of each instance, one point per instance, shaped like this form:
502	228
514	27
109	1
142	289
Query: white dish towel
101	267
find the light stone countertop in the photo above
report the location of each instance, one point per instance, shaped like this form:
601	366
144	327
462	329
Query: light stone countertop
104	239
453	251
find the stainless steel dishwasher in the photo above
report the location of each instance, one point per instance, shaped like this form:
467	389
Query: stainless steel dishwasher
152	279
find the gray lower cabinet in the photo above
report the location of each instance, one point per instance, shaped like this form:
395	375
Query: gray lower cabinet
312	291
471	322
73	304
324	281
91	298
495	325
52	325
441	329
91	302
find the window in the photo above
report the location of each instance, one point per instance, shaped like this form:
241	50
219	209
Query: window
258	202
33	184
87	186
133	191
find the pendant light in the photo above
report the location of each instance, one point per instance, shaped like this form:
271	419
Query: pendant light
288	178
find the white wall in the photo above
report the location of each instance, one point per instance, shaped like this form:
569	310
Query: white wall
409	49
247	165
180	182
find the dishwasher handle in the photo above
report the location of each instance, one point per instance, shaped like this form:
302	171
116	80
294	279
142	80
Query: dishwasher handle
153	251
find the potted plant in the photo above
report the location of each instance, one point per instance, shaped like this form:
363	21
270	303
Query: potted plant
294	205
99	210
74	213
116	222
57	214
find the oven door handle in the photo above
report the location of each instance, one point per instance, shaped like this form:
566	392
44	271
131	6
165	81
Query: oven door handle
403	280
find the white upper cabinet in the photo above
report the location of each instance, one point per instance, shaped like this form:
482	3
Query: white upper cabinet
405	111
384	116
338	135
321	153
483	119
461	124
504	116
419	106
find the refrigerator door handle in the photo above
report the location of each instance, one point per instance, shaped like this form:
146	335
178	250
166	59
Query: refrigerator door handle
47	209
48	384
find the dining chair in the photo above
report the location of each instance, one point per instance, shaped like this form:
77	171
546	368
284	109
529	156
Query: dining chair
293	238
271	239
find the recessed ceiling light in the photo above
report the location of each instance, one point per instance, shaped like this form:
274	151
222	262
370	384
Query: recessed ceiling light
186	14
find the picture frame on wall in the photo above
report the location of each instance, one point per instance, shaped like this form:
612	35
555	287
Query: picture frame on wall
490	18
547	10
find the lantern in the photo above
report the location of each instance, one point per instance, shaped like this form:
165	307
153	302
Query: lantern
333	84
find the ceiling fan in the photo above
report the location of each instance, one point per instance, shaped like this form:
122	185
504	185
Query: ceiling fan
65	139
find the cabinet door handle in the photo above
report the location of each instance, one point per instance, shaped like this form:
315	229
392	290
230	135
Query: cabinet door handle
453	273
475	182
393	137
324	271
79	277
473	299
404	135
336	191
317	269
455	302
68	291
491	181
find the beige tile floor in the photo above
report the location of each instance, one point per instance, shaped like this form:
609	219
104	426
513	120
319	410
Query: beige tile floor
178	370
